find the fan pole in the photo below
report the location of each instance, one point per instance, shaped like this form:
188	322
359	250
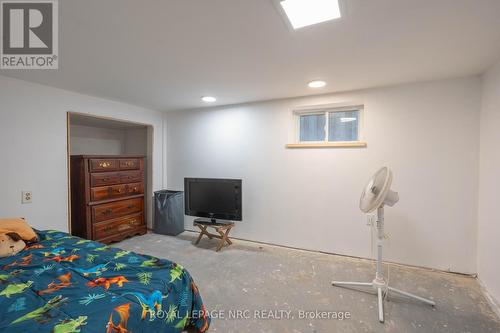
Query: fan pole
380	238
379	283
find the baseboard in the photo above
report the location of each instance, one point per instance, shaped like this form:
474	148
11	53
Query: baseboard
494	304
372	260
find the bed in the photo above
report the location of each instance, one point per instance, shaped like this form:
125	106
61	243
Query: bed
65	284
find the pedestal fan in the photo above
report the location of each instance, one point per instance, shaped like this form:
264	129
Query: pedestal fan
376	195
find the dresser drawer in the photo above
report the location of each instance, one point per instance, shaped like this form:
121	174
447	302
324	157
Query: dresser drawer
107	192
134	188
116	209
111	178
103	164
130	164
115	226
131	176
115	191
104	178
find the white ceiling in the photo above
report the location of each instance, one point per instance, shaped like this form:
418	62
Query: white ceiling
166	54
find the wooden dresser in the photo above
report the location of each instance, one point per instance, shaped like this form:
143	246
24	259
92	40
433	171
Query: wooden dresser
107	197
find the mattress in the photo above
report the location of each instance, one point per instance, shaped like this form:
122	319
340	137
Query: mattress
66	284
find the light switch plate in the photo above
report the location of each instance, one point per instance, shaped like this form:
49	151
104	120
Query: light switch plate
27	197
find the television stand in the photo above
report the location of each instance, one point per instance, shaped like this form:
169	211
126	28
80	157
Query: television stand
222	229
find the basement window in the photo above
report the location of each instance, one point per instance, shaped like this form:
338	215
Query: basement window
329	127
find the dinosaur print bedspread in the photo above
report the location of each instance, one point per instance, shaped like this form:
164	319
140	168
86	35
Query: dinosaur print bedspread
66	284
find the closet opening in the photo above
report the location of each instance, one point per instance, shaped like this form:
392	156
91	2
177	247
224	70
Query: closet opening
110	194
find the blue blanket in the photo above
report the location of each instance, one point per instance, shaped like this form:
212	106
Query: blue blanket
65	284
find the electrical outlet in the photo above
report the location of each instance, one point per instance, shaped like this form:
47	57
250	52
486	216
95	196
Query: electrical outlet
27	197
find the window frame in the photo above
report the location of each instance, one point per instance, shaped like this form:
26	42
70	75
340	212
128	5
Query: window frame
326	110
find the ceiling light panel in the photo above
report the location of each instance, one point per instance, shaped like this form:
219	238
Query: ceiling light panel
302	13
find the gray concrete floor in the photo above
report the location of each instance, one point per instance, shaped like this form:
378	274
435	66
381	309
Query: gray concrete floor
251	276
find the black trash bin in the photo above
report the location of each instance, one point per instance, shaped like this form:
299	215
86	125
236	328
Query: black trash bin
169	212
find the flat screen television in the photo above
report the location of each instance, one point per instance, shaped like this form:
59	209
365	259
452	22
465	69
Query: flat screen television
213	198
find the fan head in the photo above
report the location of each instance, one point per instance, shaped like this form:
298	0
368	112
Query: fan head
378	191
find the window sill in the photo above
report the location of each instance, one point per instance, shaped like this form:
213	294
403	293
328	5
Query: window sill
353	144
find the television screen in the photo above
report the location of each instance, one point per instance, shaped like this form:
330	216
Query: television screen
213	198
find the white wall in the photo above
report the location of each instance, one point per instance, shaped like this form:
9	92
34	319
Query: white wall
136	142
488	243
428	133
87	140
33	146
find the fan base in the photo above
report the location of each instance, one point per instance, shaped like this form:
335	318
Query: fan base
380	285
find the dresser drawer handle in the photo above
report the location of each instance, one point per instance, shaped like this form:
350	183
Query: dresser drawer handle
107	212
111	189
129	163
130	206
104	164
124	227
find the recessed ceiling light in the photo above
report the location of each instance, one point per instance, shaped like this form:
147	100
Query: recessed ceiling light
302	13
208	99
316	84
